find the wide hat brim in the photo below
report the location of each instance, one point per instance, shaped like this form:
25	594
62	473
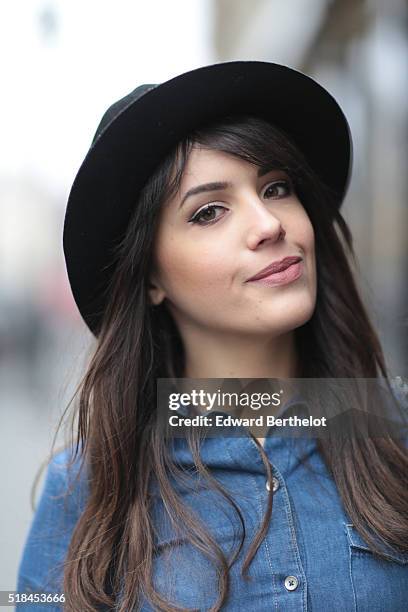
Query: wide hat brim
139	130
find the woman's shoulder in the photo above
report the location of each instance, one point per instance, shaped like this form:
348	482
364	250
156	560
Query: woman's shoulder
62	500
66	480
65	466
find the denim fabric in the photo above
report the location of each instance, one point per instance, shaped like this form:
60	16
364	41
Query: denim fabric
312	558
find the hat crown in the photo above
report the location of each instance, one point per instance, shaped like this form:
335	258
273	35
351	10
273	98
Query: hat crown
118	107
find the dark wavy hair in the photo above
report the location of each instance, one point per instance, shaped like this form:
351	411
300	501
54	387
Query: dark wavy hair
112	548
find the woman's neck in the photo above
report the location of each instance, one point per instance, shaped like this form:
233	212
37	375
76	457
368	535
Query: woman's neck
237	357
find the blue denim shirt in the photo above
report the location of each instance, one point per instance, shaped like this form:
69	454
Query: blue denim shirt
312	558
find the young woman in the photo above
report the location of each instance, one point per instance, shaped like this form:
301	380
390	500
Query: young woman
191	189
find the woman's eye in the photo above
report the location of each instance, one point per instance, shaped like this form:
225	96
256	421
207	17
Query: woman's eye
278	189
275	190
205	216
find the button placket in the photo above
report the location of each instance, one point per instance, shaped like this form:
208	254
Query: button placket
290	582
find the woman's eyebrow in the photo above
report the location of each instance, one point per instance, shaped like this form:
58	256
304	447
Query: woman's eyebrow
218	186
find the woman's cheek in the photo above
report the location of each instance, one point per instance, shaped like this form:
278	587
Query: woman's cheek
184	267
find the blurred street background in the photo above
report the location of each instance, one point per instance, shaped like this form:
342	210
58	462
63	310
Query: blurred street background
63	64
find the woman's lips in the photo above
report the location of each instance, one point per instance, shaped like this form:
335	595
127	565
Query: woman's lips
284	277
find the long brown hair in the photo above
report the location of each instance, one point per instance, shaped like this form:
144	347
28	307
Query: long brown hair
112	547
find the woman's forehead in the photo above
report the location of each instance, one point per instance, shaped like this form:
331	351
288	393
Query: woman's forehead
214	165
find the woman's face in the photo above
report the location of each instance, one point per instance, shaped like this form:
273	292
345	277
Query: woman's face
227	222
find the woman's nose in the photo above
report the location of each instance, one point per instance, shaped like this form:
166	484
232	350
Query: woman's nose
263	226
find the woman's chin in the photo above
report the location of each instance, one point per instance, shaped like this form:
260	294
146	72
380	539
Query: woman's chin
280	321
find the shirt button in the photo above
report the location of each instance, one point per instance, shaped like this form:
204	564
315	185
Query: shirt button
275	484
291	583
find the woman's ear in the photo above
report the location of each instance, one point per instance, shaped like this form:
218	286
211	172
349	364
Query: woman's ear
156	293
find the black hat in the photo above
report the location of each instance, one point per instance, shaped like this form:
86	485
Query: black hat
137	132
